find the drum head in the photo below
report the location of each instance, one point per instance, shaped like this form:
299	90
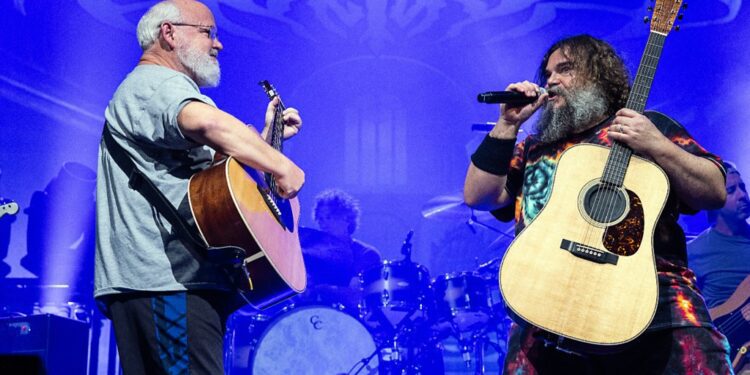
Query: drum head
314	340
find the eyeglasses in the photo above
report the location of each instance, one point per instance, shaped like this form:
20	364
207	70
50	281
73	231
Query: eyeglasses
210	31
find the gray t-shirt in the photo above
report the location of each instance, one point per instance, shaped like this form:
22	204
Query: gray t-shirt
136	248
720	263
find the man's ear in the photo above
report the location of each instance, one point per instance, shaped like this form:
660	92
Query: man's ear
166	36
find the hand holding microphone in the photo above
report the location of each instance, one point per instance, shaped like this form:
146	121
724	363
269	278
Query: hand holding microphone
519	102
509	97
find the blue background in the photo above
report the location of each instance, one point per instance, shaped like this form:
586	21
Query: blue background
387	91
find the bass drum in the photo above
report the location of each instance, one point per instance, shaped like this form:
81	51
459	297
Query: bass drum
313	339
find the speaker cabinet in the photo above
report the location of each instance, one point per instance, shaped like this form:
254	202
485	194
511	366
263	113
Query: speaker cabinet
43	344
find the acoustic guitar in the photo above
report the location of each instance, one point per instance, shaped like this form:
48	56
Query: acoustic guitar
238	206
729	319
584	269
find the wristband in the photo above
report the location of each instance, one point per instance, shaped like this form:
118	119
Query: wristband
493	155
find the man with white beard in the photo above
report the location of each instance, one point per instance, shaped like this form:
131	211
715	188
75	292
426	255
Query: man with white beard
587	87
167	302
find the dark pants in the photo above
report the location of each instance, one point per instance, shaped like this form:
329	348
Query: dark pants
685	350
169	333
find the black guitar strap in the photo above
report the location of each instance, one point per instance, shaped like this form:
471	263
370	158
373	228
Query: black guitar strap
139	182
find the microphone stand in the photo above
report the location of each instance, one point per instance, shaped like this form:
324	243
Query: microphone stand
473	220
406	247
399	327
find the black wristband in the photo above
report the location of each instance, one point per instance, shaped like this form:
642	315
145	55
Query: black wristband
493	155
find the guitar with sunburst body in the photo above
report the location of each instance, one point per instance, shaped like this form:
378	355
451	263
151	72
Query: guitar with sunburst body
237	206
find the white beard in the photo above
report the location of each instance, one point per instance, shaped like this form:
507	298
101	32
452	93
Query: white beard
205	69
581	108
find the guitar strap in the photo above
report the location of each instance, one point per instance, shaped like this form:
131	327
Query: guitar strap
139	182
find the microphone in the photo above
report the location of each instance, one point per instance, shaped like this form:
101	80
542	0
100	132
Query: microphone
508	97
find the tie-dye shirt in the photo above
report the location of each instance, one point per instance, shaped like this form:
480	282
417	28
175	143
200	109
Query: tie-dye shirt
529	180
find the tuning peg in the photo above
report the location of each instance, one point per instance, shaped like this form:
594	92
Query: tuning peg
684	6
679	16
676	28
646	19
650	9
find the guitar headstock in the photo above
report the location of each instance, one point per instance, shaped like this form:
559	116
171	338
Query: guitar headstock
8	207
665	13
269	89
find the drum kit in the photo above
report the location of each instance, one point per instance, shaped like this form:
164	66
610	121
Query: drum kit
405	323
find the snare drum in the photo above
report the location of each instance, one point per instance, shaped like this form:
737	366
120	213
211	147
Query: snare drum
395	290
313	339
462	298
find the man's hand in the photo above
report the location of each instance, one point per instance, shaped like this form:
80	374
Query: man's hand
511	117
637	132
290	181
290	116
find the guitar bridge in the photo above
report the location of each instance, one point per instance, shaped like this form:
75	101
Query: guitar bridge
271	203
589	253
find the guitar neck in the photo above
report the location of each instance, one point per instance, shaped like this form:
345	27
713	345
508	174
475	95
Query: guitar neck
646	70
276	135
619	157
277	132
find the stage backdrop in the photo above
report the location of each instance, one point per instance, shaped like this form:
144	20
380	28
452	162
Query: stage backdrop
387	90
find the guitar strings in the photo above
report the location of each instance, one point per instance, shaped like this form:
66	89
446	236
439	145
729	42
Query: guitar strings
621	152
732	323
277	134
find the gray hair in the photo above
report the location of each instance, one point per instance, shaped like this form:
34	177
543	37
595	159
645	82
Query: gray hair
150	24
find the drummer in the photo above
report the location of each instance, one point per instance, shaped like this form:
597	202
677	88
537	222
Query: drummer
333	257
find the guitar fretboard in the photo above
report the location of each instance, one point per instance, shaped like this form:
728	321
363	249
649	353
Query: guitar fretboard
619	156
276	135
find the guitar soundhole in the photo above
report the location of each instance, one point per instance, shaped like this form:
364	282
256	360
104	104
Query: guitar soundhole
605	204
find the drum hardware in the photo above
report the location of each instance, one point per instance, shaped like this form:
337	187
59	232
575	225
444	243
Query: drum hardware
468	310
405	351
393	289
394	343
406	246
462	299
473	346
490	266
406	321
453	208
243	322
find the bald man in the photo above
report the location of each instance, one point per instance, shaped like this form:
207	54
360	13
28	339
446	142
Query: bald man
168	304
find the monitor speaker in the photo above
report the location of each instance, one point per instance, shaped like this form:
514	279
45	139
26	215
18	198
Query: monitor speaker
43	344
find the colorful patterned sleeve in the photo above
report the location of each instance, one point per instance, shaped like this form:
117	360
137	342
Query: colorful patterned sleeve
680	136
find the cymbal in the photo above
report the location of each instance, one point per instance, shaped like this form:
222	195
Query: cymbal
490	267
452	208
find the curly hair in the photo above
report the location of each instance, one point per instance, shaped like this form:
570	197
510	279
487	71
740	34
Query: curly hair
596	62
341	203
